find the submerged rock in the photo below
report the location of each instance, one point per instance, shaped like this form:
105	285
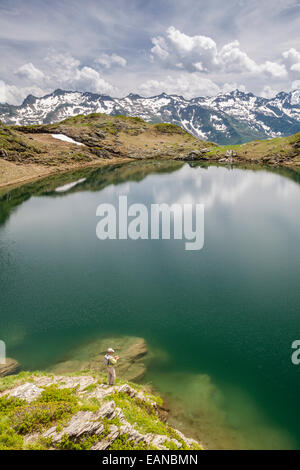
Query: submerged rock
90	356
11	366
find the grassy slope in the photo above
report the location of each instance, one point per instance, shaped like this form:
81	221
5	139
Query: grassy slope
134	138
122	136
274	151
30	151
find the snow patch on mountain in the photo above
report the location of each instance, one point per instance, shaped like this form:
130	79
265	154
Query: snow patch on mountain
65	138
233	117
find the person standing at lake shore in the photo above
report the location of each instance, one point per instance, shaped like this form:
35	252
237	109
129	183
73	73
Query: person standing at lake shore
110	361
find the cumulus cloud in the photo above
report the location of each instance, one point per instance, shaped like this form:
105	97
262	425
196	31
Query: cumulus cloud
67	72
187	85
29	30
108	61
292	60
200	53
295	67
15	95
232	59
274	69
60	70
291	57
30	72
193	53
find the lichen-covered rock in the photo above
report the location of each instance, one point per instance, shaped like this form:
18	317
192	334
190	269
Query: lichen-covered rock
83	423
28	392
82	412
108	440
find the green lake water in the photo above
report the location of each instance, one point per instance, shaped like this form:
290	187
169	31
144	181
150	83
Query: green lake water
221	319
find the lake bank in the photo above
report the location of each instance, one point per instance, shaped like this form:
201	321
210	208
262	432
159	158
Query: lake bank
34	151
12	176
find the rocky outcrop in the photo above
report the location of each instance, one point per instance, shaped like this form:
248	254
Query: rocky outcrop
11	366
99	416
28	392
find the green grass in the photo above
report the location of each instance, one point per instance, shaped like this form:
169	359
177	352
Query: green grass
90	388
84	444
9	438
263	150
13	380
143	416
14	147
8	404
164	128
39	416
122	443
89	404
55	394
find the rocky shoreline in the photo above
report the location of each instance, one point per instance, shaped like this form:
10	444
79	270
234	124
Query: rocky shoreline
78	410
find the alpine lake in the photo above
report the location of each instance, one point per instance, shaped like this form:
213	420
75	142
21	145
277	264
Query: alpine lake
219	321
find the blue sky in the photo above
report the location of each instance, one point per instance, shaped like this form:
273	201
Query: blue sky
188	47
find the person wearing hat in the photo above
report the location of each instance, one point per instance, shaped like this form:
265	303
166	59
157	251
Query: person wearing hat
110	361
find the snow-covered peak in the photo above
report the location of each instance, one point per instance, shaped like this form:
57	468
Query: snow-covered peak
231	117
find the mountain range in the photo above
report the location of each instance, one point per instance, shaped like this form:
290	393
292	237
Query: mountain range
229	118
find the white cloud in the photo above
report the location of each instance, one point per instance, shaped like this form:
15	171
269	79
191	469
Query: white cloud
268	92
30	72
295	67
292	60
89	79
291	57
108	61
178	50
67	72
188	85
274	69
200	53
295	85
228	87
15	95
60	70
232	59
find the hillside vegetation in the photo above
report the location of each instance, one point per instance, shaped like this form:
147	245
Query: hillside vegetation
81	412
125	137
282	150
31	151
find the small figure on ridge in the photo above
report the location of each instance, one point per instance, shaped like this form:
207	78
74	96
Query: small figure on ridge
110	361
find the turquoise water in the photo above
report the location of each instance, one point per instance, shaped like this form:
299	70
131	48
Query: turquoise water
223	318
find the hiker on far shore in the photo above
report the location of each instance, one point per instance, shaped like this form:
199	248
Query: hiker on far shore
110	361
